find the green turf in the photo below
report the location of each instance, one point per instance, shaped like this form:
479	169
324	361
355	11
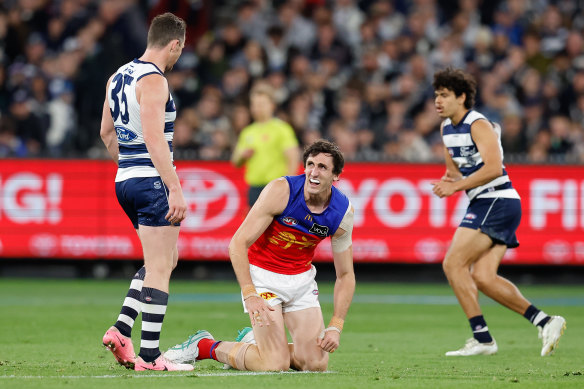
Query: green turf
395	336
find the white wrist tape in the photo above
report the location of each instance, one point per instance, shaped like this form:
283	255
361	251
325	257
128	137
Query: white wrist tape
331	328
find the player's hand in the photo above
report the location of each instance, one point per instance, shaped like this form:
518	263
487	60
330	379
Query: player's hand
329	340
443	188
247	154
259	311
447	178
177	207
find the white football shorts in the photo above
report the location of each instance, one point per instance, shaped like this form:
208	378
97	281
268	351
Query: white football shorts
295	292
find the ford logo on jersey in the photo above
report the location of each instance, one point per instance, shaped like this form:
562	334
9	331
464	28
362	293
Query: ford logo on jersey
125	135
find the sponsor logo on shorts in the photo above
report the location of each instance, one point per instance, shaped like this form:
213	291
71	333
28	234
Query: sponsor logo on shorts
319	230
157	185
148	299
289	221
315	292
268	295
470	216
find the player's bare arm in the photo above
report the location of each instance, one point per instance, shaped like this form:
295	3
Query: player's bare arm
486	139
107	130
272	202
452	172
152	94
344	284
240	156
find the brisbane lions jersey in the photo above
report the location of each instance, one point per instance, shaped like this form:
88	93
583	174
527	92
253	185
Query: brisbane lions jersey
287	246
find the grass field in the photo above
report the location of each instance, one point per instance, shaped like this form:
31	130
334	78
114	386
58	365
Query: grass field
395	336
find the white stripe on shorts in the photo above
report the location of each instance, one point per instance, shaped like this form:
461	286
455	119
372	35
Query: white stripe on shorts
489	211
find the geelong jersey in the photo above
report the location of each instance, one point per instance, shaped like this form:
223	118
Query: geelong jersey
465	154
287	246
134	159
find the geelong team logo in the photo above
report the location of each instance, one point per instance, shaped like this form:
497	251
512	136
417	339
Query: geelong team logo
289	221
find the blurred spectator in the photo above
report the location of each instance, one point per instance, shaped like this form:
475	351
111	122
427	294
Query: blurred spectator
347	19
29	128
513	137
214	134
62	117
330	46
276	47
389	22
268	147
10	145
299	32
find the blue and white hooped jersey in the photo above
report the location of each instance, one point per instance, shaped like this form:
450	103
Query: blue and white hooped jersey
134	159
465	154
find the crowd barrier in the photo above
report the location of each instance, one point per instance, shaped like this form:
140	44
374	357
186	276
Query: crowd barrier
67	209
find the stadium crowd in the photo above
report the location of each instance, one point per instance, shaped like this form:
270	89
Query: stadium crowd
356	72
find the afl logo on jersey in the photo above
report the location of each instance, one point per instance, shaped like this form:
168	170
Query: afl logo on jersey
125	135
289	221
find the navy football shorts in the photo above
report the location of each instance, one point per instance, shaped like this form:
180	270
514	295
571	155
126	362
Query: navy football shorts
145	201
497	217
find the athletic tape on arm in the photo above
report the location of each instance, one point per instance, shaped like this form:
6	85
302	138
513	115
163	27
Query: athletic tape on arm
343	242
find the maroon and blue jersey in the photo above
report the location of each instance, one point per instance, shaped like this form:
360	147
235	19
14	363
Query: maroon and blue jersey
287	246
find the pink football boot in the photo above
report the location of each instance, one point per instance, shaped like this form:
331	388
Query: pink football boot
121	346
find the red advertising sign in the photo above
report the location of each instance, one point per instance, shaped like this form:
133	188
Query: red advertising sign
68	209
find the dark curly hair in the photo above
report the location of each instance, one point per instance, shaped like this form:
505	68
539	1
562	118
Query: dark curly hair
323	146
458	82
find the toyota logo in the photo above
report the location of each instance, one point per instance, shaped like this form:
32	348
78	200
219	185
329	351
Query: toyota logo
212	199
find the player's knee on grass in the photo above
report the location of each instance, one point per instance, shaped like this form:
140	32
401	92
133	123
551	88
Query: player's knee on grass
314	365
276	365
275	362
246	356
